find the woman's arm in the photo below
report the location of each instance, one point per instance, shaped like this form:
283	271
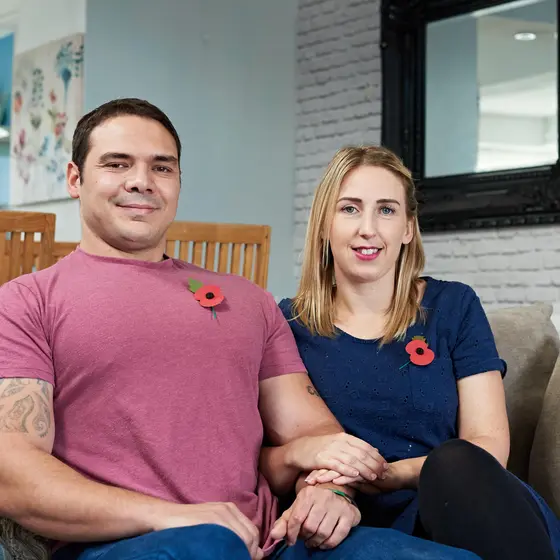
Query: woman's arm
482	413
482	421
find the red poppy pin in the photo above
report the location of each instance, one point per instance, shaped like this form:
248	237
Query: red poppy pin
420	354
207	295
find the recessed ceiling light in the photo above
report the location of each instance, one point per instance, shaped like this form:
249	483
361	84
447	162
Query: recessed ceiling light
525	36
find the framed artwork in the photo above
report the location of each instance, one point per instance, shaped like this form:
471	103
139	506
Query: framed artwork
47	102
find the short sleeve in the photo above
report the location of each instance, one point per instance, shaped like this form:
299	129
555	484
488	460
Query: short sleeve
475	349
281	355
286	307
24	349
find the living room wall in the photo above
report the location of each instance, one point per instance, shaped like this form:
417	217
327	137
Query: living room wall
224	72
339	102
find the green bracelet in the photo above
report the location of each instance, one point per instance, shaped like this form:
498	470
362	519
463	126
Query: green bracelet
345	496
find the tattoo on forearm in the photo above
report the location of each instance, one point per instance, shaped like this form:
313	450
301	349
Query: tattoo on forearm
311	390
16	418
14	387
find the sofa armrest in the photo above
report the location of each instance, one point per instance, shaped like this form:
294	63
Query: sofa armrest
544	468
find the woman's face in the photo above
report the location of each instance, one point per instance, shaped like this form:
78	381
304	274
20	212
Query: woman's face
370	225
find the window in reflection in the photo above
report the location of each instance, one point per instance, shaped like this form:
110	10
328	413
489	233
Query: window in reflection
491	90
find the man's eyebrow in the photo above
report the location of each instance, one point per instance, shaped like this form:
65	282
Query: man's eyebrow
113	155
165	158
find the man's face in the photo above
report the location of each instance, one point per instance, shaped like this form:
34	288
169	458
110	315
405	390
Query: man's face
129	186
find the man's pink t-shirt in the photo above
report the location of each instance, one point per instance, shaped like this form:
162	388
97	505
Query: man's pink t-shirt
151	392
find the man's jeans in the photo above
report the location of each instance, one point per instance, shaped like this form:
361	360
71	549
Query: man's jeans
212	542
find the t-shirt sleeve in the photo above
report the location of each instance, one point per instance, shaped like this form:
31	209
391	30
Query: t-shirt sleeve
475	349
280	355
24	349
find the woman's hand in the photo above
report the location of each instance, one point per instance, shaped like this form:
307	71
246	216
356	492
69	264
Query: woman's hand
341	453
399	475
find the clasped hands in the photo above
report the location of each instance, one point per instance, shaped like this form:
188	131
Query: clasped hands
320	517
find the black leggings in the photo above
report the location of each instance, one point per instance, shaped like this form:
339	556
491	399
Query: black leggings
468	500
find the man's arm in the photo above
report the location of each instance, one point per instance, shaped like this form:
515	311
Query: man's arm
41	493
51	499
306	434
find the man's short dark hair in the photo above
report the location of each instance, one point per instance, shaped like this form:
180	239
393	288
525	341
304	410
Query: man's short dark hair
109	110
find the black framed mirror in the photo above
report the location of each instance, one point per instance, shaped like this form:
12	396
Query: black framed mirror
470	102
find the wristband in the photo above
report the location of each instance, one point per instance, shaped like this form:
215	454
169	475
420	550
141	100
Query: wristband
345	496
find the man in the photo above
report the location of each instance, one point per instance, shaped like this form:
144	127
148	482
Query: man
160	404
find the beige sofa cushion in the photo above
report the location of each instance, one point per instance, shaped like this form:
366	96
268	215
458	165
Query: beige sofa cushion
544	469
528	341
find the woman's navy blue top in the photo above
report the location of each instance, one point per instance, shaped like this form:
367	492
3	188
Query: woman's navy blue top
404	410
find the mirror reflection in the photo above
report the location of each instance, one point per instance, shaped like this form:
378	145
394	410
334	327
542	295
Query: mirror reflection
491	90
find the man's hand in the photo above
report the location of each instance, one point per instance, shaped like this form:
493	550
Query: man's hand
318	516
219	513
343	453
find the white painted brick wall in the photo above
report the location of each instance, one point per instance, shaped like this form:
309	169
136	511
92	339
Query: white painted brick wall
339	103
505	267
338	90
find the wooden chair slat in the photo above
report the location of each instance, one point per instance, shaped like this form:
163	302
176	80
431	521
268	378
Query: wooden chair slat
4	262
236	259
223	258
198	249
210	256
14	252
184	250
248	261
28	253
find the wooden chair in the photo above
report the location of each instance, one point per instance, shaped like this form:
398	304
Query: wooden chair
234	248
21	256
62	249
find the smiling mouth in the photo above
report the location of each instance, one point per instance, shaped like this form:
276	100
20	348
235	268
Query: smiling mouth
136	206
366	251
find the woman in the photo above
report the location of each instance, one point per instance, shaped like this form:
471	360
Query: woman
409	365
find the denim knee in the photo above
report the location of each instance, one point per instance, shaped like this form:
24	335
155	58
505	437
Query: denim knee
202	542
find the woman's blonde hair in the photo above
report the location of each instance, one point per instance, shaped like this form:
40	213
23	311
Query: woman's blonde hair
313	305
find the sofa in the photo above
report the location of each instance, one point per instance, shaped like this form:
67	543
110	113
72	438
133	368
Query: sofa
529	342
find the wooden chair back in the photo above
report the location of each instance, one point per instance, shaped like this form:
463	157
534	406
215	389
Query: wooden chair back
63	248
234	248
20	252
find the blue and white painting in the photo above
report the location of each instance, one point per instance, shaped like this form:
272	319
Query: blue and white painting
47	102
